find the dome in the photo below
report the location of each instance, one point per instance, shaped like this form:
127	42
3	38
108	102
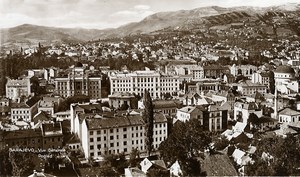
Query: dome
78	65
285	69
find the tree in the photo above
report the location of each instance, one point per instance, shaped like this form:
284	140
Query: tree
253	119
22	163
124	106
148	119
186	142
134	157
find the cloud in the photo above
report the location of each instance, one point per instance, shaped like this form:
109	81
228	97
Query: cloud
125	12
141	7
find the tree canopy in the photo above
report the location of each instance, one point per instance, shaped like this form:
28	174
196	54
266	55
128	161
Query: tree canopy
185	144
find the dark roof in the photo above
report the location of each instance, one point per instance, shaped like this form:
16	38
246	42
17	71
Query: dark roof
216	67
32	101
78	64
218	165
96	121
104	123
51	127
285	69
165	104
19	134
91	107
41	116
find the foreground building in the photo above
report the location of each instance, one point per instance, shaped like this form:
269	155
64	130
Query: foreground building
102	135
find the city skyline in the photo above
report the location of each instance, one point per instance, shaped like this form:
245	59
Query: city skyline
102	14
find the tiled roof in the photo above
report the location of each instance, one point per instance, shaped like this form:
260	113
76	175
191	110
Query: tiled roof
51	127
19	134
289	112
104	123
218	165
96	121
165	104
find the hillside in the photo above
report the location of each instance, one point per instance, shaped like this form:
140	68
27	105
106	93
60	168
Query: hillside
199	19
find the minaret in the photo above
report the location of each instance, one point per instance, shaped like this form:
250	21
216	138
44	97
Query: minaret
276	104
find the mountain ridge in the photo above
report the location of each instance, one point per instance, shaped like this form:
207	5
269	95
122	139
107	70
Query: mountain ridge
182	19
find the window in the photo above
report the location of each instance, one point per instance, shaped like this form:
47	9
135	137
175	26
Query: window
111	130
111	137
98	132
91	133
98	138
99	146
91	147
124	129
111	144
125	136
91	139
125	149
91	154
125	143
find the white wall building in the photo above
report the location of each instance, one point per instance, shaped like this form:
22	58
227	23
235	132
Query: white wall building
102	135
15	88
136	82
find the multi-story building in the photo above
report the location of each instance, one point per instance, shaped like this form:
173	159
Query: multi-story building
210	84
48	136
25	110
249	88
194	71
215	71
245	70
167	107
4	106
261	78
242	110
47	107
52	135
289	115
101	135
212	117
122	98
78	80
136	82
283	74
15	88
30	138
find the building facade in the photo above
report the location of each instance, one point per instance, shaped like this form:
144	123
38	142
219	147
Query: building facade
79	81
136	82
15	88
102	135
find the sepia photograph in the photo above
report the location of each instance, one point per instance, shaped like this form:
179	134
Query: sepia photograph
161	88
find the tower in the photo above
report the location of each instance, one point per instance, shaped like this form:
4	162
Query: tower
276	104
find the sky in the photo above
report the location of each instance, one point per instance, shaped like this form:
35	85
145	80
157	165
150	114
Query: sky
101	14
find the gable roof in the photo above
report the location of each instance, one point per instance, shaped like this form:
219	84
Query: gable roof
218	165
289	112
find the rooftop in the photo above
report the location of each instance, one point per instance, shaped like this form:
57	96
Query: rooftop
285	69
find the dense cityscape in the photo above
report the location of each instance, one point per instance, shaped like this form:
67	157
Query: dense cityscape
221	100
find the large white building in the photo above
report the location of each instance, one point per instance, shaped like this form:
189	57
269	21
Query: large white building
79	81
102	135
15	88
285	80
136	82
242	110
